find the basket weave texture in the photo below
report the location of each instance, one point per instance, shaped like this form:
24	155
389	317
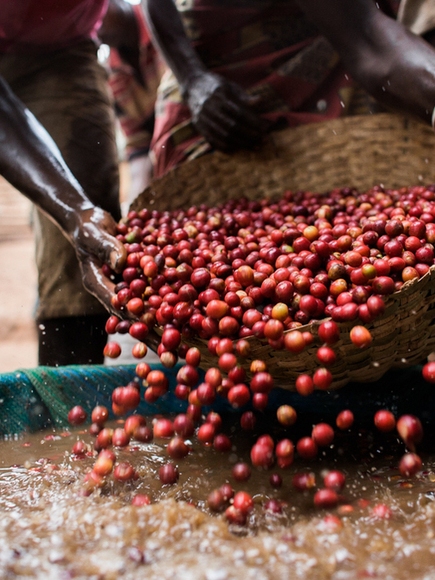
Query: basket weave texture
361	152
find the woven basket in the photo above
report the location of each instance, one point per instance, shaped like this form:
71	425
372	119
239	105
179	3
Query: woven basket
359	151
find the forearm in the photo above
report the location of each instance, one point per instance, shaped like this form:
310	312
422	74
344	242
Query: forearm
394	65
32	163
168	34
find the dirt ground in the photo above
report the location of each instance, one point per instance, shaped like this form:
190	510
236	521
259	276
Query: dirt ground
18	347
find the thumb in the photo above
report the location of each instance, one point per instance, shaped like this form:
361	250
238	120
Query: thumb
117	256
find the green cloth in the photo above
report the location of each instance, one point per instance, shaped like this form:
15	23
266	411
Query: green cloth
33	399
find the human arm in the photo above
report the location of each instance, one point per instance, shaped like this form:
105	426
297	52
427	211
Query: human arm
394	65
221	111
32	163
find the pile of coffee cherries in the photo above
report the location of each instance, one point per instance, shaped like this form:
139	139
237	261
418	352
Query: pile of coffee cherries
261	269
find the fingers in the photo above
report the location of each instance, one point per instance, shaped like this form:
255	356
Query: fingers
117	254
96	238
215	133
229	127
97	284
223	113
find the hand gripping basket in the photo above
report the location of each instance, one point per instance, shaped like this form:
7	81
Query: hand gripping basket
359	151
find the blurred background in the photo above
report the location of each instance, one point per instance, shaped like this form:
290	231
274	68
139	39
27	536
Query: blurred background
18	345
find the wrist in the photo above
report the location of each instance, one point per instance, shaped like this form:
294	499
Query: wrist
75	218
188	81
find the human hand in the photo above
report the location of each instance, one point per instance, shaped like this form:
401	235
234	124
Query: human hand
223	113
95	244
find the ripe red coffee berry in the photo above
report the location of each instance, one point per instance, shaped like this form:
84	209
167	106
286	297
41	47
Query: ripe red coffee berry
383	285
132	423
241	471
112	349
307	448
325	498
227	361
206	433
304	481
103	465
334	480
171	338
361	336
322	379
235	516
80	448
222	443
103	439
344	420
382	511
238	396
329	332
77	415
168	474
326	356
323	434
384	420
111	324
410	430
216	500
304	385
120	437
410	464
261	382
193	356
243	502
139	331
275	480
140	499
248	421
294	341
139	350
376	305
273	506
163	428
429	372
124	471
262	456
177	448
284	452
143	433
184	426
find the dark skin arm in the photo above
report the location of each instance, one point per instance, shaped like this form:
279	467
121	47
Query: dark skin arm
392	64
221	111
32	163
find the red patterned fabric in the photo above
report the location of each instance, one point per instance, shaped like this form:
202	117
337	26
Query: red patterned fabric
135	102
268	48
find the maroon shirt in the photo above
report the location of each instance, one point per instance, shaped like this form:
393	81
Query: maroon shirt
48	24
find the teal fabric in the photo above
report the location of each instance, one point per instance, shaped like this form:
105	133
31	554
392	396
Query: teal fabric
32	399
